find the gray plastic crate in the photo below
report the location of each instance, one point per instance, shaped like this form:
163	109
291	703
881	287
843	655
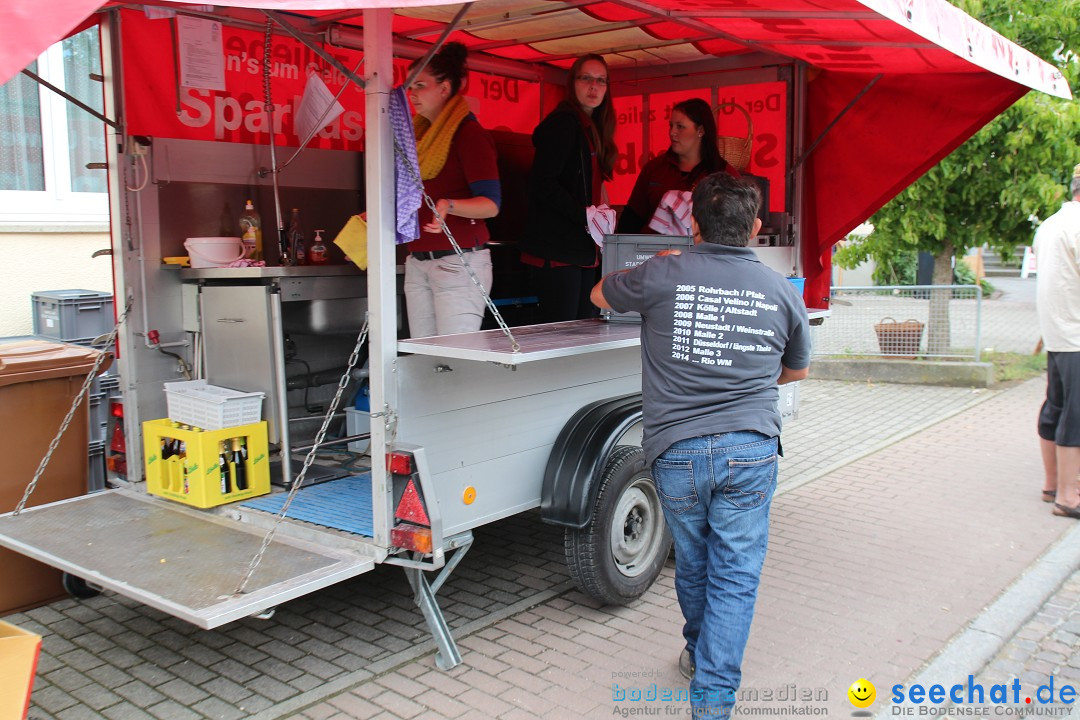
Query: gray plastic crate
72	315
623	252
99	417
95	476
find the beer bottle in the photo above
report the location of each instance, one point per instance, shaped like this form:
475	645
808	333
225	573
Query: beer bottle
223	462
239	469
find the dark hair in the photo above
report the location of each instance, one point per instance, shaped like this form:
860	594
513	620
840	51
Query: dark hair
448	64
725	209
698	112
602	119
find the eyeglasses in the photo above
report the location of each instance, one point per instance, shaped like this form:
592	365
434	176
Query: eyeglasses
590	80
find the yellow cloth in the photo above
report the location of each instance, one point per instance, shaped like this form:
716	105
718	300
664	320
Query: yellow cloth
433	139
353	241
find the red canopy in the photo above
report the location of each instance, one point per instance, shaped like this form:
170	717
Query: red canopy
896	84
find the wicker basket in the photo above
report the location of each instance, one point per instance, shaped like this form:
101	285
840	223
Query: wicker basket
899	338
736	150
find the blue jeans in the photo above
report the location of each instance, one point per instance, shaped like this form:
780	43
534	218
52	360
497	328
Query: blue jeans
716	491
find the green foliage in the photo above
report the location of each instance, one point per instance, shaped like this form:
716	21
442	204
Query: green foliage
1016	366
1014	169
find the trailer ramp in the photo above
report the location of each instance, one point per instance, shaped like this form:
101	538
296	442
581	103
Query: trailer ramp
181	561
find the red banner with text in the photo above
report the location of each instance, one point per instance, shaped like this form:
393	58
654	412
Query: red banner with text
158	107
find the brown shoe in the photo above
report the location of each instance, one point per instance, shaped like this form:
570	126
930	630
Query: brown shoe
1049	495
1066	511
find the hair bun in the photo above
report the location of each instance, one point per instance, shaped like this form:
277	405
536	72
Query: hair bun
454	54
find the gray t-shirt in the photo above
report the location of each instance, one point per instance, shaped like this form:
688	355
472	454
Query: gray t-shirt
716	326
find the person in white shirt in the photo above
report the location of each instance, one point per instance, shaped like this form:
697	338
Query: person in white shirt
1057	250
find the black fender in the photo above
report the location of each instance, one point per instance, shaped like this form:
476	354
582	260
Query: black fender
578	456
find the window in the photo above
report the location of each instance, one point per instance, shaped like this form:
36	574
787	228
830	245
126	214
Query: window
46	142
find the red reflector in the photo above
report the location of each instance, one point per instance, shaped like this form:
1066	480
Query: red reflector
411	537
400	464
116	409
118	444
411	507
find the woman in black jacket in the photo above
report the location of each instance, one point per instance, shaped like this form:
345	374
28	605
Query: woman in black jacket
575	154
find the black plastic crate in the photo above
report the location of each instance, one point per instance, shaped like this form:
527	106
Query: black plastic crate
626	251
72	315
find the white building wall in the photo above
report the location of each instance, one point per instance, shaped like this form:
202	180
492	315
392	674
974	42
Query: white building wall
48	261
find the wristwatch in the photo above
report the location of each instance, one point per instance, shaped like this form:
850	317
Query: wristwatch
450	207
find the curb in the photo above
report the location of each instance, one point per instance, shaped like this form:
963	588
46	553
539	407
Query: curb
972	649
907	372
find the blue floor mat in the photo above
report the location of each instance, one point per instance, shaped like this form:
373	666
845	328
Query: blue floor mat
342	504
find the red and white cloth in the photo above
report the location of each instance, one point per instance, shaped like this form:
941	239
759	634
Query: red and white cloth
672	216
600	220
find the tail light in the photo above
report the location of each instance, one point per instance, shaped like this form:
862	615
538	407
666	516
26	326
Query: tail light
412	528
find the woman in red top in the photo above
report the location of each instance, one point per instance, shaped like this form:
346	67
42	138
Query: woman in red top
458	166
693	155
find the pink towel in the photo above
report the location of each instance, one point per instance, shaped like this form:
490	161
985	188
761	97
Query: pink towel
672	216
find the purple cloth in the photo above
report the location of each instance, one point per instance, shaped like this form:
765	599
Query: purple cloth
407	187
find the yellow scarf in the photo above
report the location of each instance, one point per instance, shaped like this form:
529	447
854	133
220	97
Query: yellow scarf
433	139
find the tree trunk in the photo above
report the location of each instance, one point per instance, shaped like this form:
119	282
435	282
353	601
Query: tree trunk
938	333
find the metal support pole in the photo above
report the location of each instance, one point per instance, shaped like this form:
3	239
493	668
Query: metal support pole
382	265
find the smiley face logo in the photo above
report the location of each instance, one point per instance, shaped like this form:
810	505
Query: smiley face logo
862	693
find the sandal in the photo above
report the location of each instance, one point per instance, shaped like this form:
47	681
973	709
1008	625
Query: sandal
1066	511
1049	495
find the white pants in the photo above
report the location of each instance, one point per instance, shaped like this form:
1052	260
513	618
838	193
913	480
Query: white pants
441	298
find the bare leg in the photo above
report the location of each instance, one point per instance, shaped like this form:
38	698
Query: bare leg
1050	465
1068	467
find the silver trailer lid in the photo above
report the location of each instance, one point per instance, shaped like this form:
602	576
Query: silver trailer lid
181	561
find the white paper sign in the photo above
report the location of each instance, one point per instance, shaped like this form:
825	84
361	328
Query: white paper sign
202	54
317	98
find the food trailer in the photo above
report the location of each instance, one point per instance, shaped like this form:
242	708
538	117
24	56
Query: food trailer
843	102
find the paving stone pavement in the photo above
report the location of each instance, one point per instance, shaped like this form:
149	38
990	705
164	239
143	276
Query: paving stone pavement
876	542
1046	647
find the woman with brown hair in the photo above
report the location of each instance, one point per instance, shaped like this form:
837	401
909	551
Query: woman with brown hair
575	154
693	155
458	166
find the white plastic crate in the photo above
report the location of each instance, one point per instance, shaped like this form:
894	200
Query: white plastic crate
196	403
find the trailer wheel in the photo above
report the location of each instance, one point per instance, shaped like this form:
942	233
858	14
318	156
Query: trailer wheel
620	553
78	588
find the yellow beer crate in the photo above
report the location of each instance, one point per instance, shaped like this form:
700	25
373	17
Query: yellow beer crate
184	464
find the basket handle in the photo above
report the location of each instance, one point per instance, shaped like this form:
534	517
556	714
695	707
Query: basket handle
890	319
740	108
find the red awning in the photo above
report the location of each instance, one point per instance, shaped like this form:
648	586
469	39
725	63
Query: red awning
897	84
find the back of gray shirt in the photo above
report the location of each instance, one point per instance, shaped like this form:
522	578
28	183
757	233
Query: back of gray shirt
716	326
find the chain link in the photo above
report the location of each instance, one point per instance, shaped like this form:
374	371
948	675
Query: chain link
32	485
319	437
514	346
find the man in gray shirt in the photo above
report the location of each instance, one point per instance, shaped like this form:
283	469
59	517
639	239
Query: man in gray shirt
719	332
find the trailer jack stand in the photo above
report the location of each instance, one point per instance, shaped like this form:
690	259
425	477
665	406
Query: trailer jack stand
447	655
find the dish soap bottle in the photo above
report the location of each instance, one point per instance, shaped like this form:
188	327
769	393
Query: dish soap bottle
319	254
296	239
251	232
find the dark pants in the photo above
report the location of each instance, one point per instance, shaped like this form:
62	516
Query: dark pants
564	292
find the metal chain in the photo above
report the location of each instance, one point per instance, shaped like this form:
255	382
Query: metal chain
514	346
319	437
32	485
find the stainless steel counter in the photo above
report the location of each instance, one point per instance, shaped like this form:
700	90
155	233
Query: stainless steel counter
259	273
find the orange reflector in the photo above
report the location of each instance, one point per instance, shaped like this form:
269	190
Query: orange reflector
400	464
411	507
411	537
469	496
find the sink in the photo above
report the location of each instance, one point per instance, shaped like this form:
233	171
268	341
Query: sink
334	316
